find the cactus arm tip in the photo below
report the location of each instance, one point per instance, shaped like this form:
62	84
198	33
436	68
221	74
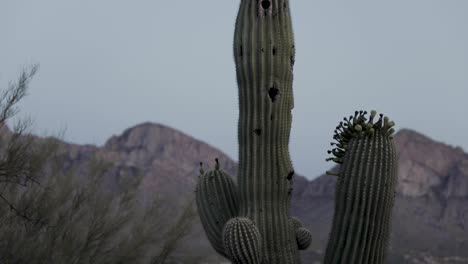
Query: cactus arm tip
242	241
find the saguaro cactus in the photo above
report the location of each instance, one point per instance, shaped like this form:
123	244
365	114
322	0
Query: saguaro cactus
264	56
365	190
262	231
250	223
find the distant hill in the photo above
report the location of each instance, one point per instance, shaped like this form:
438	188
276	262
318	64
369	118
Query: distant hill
430	221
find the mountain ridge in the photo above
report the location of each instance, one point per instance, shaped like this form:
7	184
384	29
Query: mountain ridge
431	209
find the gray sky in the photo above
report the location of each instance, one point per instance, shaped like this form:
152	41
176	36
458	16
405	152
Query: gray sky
110	64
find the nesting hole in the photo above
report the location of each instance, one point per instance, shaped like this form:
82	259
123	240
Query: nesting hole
266	4
273	93
258	131
290	175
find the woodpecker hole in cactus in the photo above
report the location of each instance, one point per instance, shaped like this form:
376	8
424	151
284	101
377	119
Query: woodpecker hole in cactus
292	59
258	131
273	93
274	51
290	175
240	51
265	4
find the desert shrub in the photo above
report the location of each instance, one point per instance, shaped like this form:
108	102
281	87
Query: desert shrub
49	214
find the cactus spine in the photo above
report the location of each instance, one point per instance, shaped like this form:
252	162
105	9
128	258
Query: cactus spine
365	190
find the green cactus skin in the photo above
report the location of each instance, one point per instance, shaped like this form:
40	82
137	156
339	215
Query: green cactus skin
264	58
217	202
242	241
303	235
303	238
365	190
296	222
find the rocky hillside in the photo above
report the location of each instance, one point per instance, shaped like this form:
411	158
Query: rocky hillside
430	223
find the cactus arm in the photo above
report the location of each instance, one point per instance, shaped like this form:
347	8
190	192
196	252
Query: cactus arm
365	190
242	241
303	235
217	202
303	238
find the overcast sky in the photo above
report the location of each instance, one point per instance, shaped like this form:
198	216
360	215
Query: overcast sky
106	65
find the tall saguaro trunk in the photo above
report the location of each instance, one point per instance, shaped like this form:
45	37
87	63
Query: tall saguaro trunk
250	223
264	57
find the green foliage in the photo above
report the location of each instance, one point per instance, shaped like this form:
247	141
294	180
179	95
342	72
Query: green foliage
49	214
21	159
173	236
75	221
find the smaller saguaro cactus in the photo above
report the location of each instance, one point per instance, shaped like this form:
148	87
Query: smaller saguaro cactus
365	189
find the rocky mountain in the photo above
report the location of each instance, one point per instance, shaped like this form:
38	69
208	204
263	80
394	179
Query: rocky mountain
430	221
167	159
